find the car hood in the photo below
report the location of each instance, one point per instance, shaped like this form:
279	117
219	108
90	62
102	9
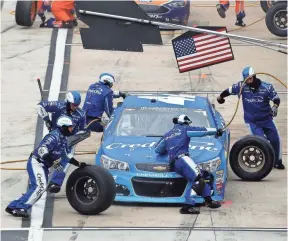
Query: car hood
141	149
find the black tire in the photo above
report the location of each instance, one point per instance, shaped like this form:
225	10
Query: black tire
277	27
261	145
25	13
106	190
265	5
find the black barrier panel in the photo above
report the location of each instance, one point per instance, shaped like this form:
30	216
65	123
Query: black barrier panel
114	34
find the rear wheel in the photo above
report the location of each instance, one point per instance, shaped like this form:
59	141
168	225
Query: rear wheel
252	158
25	13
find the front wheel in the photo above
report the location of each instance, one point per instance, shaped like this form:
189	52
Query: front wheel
252	158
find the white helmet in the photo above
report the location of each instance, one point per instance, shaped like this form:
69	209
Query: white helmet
107	78
63	123
182	119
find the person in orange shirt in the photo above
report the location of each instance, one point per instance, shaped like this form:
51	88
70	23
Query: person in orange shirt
223	6
63	12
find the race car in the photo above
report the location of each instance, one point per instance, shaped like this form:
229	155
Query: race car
137	124
172	11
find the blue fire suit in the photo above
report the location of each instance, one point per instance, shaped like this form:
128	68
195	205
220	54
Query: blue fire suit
99	99
58	108
257	113
176	143
51	148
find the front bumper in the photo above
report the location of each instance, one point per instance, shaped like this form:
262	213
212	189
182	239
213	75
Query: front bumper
154	188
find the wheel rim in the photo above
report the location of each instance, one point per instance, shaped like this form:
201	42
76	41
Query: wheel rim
280	19
86	190
251	159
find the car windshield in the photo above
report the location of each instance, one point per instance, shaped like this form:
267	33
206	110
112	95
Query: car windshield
155	121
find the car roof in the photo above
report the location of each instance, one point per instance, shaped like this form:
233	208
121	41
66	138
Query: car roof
166	100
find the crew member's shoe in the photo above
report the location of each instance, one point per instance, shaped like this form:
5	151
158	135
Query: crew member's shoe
221	10
53	188
22	213
240	23
189	209
9	210
211	203
279	165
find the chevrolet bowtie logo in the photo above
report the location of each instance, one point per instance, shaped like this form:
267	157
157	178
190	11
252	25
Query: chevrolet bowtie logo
159	168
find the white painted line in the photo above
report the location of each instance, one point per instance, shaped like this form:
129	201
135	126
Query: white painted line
228	229
37	213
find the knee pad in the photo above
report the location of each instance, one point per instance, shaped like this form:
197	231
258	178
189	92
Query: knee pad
199	185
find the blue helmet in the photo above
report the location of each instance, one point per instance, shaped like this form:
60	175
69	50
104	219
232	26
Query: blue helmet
73	97
107	78
248	71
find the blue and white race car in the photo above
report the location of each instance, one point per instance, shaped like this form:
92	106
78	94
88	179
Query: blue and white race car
137	124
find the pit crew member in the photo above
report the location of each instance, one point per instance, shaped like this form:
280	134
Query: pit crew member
69	107
223	6
258	114
63	12
99	99
176	143
46	154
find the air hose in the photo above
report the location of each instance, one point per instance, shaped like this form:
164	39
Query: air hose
240	92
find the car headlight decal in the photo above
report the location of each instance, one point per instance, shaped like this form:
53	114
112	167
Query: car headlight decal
112	164
211	165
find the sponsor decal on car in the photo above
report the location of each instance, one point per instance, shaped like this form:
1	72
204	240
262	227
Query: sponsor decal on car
208	146
162	175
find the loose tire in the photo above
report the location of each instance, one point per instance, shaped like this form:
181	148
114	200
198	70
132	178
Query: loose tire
265	5
276	19
252	158
90	190
25	13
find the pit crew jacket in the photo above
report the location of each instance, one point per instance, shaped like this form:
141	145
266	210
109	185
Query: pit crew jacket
176	141
52	147
256	104
58	108
99	98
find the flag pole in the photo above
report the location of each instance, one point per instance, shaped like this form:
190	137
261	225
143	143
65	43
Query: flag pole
143	21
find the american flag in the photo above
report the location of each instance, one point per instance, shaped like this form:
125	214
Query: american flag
193	50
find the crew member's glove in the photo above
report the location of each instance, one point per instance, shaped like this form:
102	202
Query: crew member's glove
48	125
123	94
220	100
219	132
57	166
274	110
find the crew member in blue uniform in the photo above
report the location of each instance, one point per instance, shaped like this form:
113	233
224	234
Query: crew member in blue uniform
258	114
99	99
47	154
176	143
70	107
